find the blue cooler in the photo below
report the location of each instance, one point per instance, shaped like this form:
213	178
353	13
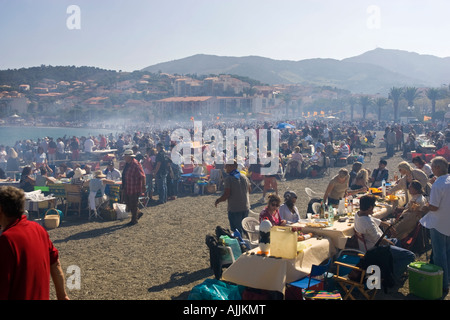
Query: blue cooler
425	280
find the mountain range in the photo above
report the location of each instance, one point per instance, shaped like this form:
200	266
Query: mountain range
372	72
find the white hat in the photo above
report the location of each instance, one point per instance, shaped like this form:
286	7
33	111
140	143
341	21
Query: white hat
128	152
79	173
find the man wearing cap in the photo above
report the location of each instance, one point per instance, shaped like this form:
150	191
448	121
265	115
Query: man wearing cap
111	172
133	184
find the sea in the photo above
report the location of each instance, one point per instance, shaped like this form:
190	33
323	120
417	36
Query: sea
9	135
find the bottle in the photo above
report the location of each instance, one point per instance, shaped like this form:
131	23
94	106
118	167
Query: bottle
330	215
322	210
350	205
383	188
264	236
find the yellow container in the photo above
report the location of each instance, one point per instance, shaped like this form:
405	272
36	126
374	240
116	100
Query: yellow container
283	242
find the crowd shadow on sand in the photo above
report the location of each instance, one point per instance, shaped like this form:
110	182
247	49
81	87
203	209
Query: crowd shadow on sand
92	233
178	279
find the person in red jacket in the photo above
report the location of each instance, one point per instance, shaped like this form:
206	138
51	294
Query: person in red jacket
28	257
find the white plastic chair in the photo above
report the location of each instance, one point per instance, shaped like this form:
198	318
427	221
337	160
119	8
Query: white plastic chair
316	207
312	194
226	252
251	226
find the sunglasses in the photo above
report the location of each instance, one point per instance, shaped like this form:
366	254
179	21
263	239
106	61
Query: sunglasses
274	204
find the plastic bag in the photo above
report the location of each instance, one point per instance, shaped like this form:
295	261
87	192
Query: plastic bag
120	209
212	289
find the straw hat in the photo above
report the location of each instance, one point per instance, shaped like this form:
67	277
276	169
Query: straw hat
99	174
79	173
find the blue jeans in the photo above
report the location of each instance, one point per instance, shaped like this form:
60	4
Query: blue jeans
441	253
235	219
161	186
401	259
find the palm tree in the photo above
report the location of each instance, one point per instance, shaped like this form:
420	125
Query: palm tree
365	101
395	94
352	102
380	102
410	94
287	100
433	94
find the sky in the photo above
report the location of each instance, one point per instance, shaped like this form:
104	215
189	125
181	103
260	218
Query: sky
130	35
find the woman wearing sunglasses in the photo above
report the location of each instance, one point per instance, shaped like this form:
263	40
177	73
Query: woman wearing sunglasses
271	212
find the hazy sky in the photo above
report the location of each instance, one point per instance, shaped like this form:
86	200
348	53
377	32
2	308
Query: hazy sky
133	34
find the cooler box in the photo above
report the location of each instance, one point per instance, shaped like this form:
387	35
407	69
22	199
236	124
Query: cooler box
425	280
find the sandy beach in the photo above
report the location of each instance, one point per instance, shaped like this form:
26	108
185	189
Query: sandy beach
164	256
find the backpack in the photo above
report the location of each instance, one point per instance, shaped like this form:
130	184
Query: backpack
214	255
380	256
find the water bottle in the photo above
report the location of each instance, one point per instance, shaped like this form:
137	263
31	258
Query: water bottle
350	205
330	215
383	188
264	236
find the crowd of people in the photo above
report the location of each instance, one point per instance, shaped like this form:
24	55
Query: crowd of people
148	168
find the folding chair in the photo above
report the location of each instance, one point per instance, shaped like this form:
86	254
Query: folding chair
251	227
96	199
361	241
73	197
349	283
257	182
216	177
410	241
326	168
308	282
143	201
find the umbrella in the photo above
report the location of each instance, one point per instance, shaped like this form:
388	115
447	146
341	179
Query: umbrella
285	125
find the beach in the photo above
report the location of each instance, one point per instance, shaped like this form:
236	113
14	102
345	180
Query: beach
164	256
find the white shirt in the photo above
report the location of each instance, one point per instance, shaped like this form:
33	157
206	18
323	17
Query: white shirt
427	169
287	214
369	227
113	175
439	197
60	147
88	145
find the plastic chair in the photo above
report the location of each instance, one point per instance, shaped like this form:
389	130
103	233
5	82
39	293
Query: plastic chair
316	207
226	256
250	224
312	194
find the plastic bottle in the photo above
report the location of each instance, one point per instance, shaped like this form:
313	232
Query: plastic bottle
330	215
264	236
350	205
383	188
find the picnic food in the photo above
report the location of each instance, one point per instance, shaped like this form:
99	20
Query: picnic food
303	237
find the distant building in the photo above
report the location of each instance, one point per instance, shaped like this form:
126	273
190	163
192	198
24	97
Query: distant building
181	107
